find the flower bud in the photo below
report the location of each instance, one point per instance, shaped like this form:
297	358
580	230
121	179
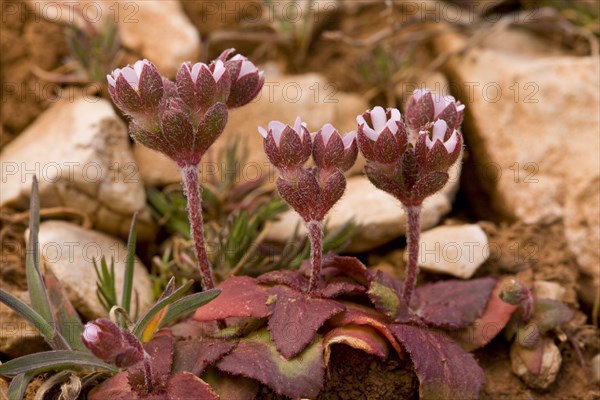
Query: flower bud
111	343
381	135
246	79
287	148
515	292
200	86
439	149
424	108
330	151
137	90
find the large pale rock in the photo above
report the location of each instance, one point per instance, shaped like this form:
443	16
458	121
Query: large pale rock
69	250
379	215
283	98
160	31
157	30
454	250
532	119
80	153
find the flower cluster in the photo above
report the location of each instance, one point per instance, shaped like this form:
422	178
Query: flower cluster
410	158
182	119
311	191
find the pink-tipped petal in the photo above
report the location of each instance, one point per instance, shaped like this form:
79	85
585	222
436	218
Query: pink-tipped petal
111	80
428	142
298	124
395	114
439	130
392	126
378	118
247	68
349	139
130	76
371	134
459	106
326	131
276	128
263	131
418	93
219	70
450	144
195	71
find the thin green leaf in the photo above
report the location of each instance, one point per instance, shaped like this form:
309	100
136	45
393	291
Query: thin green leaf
140	326
105	283
69	324
35	283
48	332
129	264
37	363
18	386
188	304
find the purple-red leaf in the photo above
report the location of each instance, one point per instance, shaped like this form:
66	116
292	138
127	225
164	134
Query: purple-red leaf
293	279
454	304
230	387
241	296
361	337
115	388
496	315
257	357
186	386
161	350
196	354
296	319
444	369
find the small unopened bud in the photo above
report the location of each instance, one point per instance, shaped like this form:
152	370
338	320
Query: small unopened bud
111	343
246	79
381	135
424	108
331	151
200	85
287	147
515	292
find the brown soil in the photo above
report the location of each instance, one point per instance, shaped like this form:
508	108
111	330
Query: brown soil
26	42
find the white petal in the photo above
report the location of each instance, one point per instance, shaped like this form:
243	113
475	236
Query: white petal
428	142
139	66
326	131
371	134
219	70
378	118
276	128
298	124
247	68
439	130
439	103
238	57
196	71
130	76
392	126
349	139
263	131
459	106
418	93
360	120
451	142
395	113
111	80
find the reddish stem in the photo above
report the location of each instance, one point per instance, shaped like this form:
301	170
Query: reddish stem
148	372
192	190
413	232
315	234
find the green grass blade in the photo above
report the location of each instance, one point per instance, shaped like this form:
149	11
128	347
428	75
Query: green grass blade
48	332
129	264
35	283
53	360
18	386
140	327
188	304
67	319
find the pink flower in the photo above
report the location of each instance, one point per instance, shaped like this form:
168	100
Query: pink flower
438	133
381	135
425	108
201	86
287	147
331	151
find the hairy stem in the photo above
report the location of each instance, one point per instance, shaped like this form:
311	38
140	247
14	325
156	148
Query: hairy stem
148	373
315	234
413	232
192	191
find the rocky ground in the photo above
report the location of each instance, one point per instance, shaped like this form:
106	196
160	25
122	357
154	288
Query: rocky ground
524	202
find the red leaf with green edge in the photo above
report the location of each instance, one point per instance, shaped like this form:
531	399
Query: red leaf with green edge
161	350
257	357
384	293
356	314
186	386
197	354
230	387
115	388
454	304
361	337
444	369
548	314
496	315
293	279
241	296
297	317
